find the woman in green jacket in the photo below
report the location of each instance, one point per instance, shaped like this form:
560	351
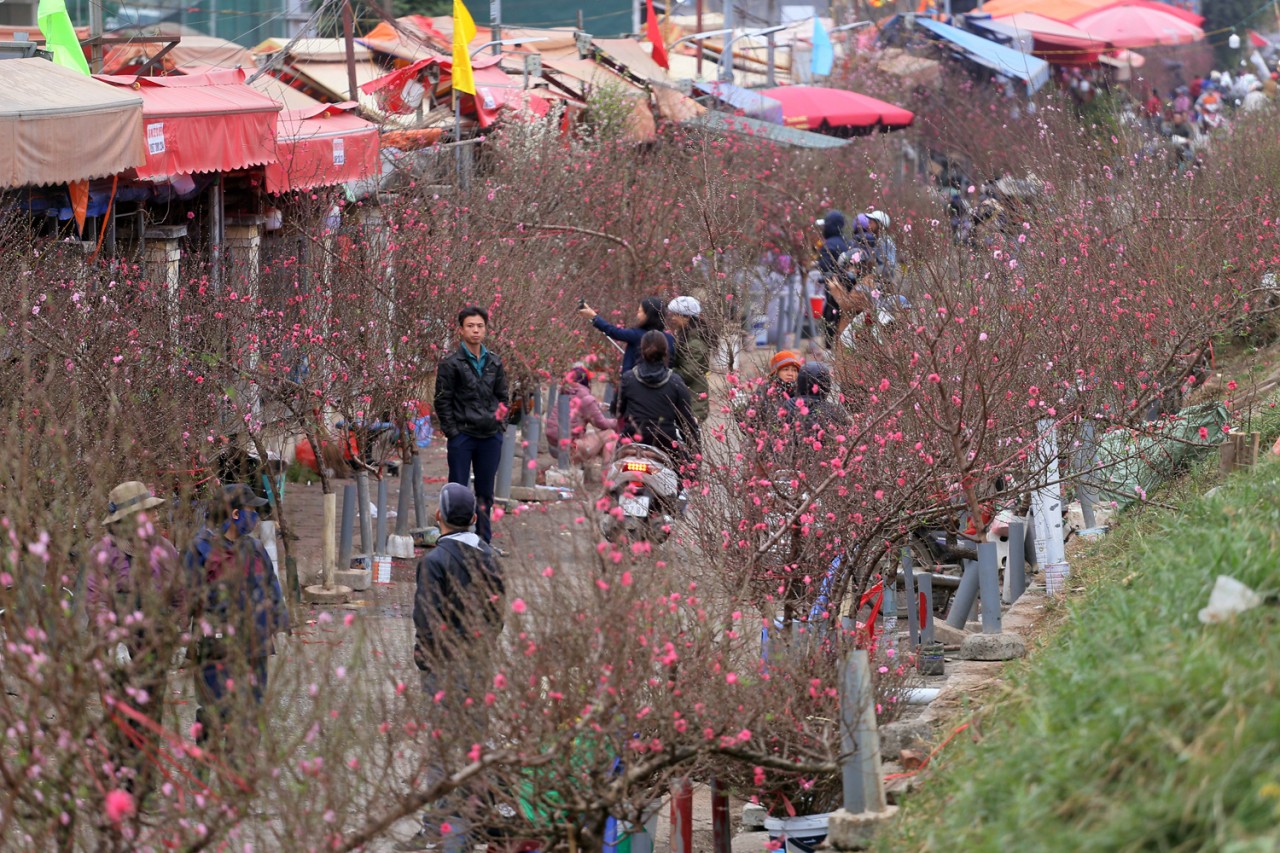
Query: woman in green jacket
692	360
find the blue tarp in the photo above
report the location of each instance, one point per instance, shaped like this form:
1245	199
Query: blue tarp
751	103
997	57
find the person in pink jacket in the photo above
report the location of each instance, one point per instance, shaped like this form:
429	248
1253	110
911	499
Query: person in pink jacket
584	411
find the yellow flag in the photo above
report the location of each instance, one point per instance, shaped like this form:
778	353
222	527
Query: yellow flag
464	30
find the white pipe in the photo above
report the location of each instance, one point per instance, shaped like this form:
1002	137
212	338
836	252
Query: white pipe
920	695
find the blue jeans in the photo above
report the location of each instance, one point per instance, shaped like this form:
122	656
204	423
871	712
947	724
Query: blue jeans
227	720
467	453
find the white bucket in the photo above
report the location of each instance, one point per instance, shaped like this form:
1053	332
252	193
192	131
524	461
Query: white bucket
1055	578
801	834
382	568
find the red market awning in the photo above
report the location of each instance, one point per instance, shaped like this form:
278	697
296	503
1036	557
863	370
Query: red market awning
495	89
323	146
1134	26
813	107
207	122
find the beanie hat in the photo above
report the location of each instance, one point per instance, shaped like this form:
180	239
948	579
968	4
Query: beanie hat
785	358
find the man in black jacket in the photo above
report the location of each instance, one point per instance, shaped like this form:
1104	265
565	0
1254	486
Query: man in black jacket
457	617
471	402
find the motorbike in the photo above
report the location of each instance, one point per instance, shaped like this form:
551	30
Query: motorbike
644	483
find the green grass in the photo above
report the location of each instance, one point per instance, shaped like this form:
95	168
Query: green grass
1133	726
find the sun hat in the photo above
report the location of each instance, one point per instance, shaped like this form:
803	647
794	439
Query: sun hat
785	358
685	306
127	499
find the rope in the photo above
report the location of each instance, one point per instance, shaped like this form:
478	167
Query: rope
908	774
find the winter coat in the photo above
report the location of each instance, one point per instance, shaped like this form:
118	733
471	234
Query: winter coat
235	590
655	404
631	335
458	600
693	362
584	411
112	585
833	243
467	402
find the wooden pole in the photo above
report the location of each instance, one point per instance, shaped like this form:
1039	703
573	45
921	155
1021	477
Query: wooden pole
330	561
348	36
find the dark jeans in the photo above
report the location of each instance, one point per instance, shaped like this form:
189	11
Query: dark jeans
466	452
227	719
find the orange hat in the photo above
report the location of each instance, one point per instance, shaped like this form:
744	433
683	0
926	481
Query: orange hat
785	358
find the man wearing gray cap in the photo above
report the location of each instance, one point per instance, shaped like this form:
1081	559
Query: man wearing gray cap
457	617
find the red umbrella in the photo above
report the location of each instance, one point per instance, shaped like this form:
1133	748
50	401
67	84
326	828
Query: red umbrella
1138	26
814	107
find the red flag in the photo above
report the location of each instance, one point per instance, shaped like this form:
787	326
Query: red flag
655	37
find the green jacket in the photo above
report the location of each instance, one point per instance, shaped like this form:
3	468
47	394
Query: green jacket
692	362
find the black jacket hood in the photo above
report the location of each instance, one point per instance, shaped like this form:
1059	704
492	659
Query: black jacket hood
832	224
653	374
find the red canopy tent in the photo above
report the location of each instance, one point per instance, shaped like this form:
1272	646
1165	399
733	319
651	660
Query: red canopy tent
208	122
1134	25
819	107
1055	41
322	146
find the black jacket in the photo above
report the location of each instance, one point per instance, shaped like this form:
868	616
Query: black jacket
655	404
833	243
467	403
458	602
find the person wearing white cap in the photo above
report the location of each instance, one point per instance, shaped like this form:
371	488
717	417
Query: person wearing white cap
692	360
886	251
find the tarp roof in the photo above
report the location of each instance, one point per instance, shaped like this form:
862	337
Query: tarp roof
313	50
192	51
751	102
719	122
282	93
997	57
322	146
329	79
57	125
210	122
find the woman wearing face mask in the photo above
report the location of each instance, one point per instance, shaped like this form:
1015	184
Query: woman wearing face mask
238	608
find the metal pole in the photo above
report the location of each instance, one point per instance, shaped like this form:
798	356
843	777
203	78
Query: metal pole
506	462
495	24
699	42
348	526
566	432
457	136
989	586
348	36
529	468
913	600
1017	567
402	505
216	233
725	65
860	741
925	583
966	595
419	498
380	539
769	74
635	17
721	834
366	523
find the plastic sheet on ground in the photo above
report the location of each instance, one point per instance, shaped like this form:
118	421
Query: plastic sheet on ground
1132	464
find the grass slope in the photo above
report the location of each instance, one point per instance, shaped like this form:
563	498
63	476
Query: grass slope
1134	727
